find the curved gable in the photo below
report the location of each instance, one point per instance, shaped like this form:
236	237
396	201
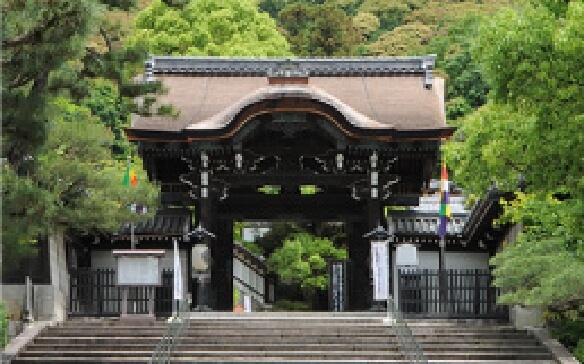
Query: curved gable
229	115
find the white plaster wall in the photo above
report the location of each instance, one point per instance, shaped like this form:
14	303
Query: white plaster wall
105	259
454	260
467	260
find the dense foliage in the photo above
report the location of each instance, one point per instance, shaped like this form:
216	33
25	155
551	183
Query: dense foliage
3	325
529	137
303	260
63	98
318	30
208	27
531	129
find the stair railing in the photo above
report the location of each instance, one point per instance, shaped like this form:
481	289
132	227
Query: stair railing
176	324
409	346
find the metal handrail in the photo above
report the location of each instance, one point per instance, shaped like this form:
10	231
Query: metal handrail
176	325
409	346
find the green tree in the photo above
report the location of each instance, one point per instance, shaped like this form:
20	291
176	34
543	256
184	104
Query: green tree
58	171
36	39
272	7
279	231
208	27
318	29
303	260
73	184
83	181
391	13
532	130
365	24
466	87
408	39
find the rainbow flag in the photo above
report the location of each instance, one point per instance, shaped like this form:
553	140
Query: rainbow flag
130	179
444	205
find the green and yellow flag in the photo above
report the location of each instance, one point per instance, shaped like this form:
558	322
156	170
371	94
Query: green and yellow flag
130	179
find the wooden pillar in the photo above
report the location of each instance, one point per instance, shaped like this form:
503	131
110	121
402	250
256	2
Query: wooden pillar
206	214
222	269
360	283
374	215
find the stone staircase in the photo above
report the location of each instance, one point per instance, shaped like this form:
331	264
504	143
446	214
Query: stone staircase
283	338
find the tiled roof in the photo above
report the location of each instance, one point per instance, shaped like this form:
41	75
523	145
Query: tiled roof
166	222
289	66
379	93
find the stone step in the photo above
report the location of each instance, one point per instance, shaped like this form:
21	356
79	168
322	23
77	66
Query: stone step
287	347
304	355
221	325
225	338
292	339
142	360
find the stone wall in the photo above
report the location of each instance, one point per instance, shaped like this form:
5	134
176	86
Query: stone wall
59	277
13	296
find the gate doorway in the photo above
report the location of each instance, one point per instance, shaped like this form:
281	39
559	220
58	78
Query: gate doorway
292	259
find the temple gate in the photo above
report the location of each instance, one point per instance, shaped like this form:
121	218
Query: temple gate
365	132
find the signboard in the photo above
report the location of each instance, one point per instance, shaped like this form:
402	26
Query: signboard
177	288
137	267
337	273
406	255
138	271
380	269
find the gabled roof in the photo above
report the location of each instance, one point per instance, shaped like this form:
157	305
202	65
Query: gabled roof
371	94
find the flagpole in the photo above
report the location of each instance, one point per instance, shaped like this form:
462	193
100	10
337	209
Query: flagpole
132	242
130	181
442	282
442	231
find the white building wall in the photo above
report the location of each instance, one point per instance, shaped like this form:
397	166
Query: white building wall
455	260
249	277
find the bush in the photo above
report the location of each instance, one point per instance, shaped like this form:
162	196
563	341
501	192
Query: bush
570	332
236	297
3	325
579	351
284	305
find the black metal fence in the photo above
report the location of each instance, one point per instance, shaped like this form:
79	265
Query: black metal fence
94	293
468	294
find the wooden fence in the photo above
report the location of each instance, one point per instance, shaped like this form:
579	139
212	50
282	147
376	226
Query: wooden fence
469	294
94	293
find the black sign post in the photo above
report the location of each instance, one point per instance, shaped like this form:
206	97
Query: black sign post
338	290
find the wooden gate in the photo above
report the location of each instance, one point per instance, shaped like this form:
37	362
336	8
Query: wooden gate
94	293
469	294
